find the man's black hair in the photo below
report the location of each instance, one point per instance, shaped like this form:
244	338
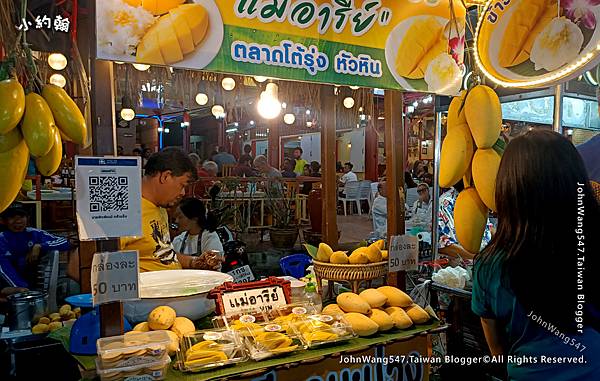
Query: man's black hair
299	149
170	159
349	164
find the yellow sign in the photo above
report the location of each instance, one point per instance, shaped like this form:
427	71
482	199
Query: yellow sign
396	44
536	43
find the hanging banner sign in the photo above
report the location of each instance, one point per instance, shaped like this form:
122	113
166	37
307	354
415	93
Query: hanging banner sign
394	44
537	43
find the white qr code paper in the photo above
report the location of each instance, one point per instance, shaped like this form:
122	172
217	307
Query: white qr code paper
109	195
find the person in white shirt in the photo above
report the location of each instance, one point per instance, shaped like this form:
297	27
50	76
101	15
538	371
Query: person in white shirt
198	229
423	206
379	209
347	176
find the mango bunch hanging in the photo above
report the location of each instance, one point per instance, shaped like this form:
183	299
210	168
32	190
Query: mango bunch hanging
34	124
472	151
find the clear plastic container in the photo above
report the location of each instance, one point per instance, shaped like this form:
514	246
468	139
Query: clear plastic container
156	370
209	349
312	297
317	330
269	339
132	349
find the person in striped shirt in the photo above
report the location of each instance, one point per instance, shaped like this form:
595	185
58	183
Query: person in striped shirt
21	247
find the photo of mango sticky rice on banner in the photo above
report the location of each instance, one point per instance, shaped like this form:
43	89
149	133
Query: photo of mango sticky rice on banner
168	32
424	53
532	38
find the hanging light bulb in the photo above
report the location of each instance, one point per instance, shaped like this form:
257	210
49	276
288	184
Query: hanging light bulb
141	67
268	105
201	99
57	61
348	102
228	83
218	111
119	62
58	80
355	87
260	78
127	114
289	118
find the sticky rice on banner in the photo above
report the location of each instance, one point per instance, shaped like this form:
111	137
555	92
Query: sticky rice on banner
394	44
537	43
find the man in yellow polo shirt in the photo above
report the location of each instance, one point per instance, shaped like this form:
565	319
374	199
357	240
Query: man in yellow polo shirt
166	175
300	162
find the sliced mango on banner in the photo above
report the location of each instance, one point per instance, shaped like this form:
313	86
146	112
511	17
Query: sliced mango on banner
484	116
196	17
174	35
148	49
470	219
12	104
10	140
47	165
457	152
486	163
156	7
424	35
13	166
38	125
67	115
525	24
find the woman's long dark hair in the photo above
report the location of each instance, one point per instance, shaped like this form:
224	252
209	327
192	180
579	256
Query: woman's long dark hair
543	196
194	209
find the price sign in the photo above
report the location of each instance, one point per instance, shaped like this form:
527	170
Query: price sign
242	274
115	277
404	253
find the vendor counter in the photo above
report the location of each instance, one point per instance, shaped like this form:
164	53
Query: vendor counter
379	357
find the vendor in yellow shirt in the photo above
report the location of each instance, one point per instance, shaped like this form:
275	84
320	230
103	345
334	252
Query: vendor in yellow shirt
300	162
166	175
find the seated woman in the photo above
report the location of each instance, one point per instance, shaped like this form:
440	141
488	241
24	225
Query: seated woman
198	229
21	247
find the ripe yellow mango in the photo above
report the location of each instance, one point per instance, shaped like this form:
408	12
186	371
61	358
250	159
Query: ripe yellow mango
12	104
374	297
350	302
399	317
359	256
13	166
486	163
38	125
182	325
456	155
395	297
417	314
67	115
484	116
339	257
332	310
161	317
374	253
382	319
470	218
156	7
456	111
196	17
48	164
361	324
423	36
10	140
142	327
324	252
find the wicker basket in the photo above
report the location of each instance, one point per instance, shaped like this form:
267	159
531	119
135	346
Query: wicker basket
354	274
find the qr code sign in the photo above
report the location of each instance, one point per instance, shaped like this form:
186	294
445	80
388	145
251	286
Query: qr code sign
108	193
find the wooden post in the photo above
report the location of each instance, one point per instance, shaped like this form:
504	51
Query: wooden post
103	109
328	157
394	152
371	152
273	143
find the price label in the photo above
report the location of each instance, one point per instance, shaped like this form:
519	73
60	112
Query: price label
404	253
242	274
115	277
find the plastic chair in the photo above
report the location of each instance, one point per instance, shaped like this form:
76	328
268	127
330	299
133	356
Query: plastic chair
364	190
295	265
351	194
227	170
